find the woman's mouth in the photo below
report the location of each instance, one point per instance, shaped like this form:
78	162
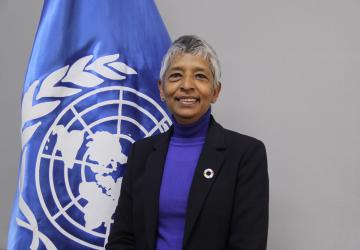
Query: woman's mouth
187	100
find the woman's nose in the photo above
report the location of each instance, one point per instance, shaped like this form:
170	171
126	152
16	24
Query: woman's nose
188	83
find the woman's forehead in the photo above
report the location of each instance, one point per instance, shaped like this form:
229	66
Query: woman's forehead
187	60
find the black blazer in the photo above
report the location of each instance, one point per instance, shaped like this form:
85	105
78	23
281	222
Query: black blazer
228	211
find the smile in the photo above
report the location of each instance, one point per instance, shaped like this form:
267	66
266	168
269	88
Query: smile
187	100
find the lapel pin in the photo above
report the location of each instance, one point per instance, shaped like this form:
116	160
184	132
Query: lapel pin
208	173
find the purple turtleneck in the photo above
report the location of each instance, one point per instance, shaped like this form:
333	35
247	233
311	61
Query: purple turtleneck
181	160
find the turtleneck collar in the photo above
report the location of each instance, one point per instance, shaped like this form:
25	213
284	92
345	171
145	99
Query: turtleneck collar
196	129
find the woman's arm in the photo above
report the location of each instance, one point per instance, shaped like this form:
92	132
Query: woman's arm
249	224
121	232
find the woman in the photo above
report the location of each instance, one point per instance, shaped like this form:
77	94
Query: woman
198	186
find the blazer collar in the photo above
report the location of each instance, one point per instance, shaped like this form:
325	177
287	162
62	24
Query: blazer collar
211	157
153	177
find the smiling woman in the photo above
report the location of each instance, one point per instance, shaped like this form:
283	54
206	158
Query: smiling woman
198	185
188	88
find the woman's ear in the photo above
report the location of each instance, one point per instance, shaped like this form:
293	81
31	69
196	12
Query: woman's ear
217	90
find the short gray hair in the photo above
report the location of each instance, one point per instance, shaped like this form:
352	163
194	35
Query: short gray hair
194	45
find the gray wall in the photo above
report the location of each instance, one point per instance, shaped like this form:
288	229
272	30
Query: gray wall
291	77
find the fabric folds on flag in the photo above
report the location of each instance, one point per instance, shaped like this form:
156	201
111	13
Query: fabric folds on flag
90	92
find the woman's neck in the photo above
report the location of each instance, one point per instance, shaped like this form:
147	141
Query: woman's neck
196	129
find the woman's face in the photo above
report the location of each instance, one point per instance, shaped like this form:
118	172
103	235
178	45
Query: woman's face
188	88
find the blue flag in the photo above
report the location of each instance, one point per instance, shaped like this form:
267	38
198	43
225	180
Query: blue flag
89	93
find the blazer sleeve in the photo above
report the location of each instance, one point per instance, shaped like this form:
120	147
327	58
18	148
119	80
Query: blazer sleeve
249	224
121	231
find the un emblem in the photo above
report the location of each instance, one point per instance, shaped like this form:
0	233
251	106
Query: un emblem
81	160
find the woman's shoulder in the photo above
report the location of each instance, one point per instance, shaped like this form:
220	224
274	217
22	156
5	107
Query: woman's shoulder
237	139
236	136
152	141
244	147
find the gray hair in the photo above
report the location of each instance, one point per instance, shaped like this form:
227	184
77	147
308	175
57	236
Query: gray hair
196	46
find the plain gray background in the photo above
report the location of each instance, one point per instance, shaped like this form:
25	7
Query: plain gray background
291	77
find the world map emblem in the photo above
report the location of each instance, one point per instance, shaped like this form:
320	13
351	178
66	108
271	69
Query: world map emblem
83	155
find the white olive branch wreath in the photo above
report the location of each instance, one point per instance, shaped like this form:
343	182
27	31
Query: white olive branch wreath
82	73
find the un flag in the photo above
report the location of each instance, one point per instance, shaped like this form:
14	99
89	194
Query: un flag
90	92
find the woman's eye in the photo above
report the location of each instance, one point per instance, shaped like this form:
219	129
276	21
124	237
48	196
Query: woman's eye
174	76
200	76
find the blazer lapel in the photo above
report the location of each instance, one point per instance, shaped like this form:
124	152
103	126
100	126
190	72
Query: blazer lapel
211	157
153	176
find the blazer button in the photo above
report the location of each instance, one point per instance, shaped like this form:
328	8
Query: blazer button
208	173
